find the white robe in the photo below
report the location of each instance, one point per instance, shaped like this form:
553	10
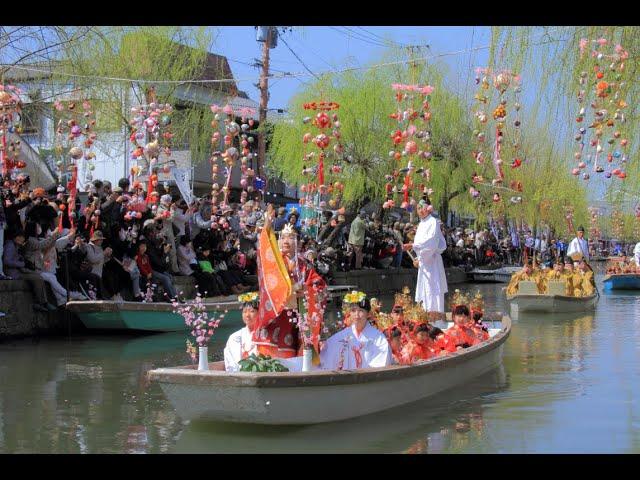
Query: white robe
578	246
339	352
636	253
237	343
429	243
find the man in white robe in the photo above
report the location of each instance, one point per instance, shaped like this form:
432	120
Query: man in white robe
578	246
360	345
429	243
636	254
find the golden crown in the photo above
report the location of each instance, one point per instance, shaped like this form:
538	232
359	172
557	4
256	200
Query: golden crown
477	303
403	299
459	298
249	297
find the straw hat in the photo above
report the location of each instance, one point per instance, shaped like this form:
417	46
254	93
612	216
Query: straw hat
97	235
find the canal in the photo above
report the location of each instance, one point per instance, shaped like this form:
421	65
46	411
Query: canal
567	384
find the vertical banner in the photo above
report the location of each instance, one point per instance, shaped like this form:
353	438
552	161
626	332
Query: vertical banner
182	178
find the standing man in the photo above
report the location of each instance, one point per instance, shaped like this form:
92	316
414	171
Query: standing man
636	254
429	243
578	246
356	237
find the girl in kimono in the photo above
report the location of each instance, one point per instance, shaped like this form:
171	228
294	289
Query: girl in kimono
461	333
360	345
240	344
422	346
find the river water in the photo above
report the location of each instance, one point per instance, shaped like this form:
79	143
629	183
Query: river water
567	384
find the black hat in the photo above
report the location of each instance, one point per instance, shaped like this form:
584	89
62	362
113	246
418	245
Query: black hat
581	229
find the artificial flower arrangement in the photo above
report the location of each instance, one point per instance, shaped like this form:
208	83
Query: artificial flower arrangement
248	297
196	317
354	297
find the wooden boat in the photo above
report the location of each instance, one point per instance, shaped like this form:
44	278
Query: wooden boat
499	275
150	317
296	398
622	281
159	317
522	303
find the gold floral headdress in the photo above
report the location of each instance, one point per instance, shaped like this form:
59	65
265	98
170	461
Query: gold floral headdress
354	297
459	298
477	304
249	297
403	299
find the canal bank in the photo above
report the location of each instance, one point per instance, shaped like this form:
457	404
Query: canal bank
21	320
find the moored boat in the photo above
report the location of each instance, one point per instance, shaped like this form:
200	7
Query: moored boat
150	317
521	303
300	398
622	281
158	316
499	275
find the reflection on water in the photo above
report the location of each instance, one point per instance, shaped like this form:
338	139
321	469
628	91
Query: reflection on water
568	383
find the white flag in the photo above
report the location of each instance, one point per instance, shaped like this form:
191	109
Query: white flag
181	177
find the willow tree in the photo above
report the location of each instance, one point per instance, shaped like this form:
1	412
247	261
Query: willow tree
551	58
366	101
116	67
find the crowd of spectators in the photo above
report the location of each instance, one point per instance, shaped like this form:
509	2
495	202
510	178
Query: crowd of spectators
122	244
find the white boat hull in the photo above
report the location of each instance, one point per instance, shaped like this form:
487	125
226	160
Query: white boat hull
551	303
320	396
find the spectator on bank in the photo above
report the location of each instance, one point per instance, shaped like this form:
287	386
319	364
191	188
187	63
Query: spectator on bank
356	237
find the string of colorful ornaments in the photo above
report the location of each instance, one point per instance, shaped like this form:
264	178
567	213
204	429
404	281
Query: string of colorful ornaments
150	137
235	146
493	119
323	190
75	134
601	87
412	143
10	121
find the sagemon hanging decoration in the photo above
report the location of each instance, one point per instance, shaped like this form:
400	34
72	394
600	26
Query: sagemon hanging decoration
10	122
497	124
411	146
602	137
150	138
323	164
234	148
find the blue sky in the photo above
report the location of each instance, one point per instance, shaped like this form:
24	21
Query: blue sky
326	48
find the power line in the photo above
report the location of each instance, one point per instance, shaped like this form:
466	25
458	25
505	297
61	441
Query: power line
283	75
358	36
299	59
379	37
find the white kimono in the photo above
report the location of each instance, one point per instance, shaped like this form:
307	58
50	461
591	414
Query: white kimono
241	342
346	351
238	343
429	243
578	246
636	254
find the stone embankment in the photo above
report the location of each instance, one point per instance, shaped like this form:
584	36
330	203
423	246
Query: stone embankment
21	320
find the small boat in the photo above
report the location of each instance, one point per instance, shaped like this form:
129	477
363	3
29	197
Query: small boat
303	398
499	275
150	317
622	281
521	303
158	316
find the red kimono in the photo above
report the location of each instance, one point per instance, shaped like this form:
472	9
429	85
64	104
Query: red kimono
457	336
415	351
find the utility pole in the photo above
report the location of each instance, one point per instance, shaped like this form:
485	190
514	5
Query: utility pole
264	100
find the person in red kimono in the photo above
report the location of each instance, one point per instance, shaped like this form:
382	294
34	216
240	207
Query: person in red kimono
461	334
394	336
281	338
480	331
423	346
